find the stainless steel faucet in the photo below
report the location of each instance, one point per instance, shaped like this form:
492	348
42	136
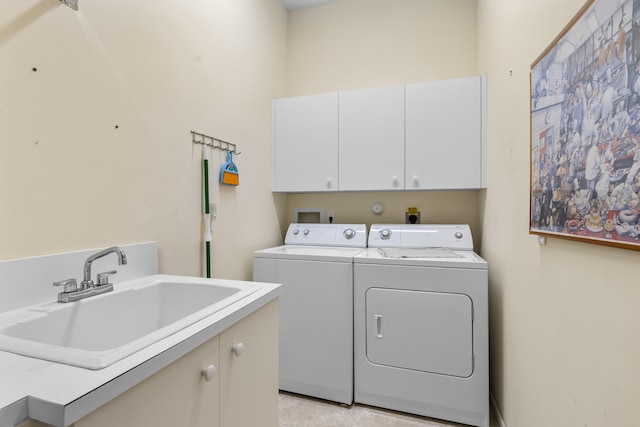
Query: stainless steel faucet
87	282
87	288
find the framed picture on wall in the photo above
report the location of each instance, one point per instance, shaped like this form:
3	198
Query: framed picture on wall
585	128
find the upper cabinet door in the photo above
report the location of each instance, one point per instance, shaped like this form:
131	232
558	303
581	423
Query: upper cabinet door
371	135
444	135
305	149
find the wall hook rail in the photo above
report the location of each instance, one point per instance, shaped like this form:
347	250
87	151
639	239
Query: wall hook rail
218	144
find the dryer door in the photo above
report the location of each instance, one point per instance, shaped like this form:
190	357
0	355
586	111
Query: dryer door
422	331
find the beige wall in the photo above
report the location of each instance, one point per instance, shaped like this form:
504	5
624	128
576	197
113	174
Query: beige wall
564	317
353	44
95	146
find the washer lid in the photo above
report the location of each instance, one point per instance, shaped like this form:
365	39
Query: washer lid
421	257
310	253
419	253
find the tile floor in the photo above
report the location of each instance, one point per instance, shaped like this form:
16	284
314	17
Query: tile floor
301	411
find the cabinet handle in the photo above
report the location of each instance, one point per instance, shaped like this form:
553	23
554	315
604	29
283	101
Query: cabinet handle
208	373
237	349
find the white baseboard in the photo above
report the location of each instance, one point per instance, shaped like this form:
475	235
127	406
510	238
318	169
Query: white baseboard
496	411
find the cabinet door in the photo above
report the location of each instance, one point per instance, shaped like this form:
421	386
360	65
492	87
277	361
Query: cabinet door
444	143
305	143
249	370
178	395
371	139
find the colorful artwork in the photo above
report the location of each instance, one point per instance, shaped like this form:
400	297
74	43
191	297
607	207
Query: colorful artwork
585	128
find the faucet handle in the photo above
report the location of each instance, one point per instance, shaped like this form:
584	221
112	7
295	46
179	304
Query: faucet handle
70	285
103	278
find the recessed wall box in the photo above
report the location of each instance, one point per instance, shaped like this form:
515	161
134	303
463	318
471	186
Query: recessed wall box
308	215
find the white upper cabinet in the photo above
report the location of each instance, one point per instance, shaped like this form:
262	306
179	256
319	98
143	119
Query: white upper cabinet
426	136
444	146
371	139
305	149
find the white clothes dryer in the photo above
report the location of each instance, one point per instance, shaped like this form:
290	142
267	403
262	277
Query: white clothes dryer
315	267
421	323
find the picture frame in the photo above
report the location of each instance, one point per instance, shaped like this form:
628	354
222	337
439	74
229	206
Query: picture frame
585	128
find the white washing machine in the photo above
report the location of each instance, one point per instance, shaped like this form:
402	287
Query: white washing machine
421	323
315	267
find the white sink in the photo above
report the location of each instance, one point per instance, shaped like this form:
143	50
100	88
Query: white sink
98	331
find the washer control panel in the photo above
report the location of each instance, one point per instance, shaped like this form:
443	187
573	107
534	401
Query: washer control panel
351	235
454	236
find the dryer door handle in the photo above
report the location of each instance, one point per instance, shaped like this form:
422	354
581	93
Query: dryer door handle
378	319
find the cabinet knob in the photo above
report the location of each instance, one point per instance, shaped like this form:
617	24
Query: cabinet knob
329	181
237	349
208	373
394	180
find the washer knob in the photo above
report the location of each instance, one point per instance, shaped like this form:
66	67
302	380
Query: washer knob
385	233
295	232
306	232
458	235
349	233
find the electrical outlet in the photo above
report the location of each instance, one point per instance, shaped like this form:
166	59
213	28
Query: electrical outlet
412	216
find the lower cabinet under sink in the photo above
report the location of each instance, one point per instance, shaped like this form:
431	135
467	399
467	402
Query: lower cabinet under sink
242	392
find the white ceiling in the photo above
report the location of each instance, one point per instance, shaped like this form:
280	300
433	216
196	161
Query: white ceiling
301	4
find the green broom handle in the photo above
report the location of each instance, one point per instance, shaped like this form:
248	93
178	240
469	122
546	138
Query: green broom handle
206	216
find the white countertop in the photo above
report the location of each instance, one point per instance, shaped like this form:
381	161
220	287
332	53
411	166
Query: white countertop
60	394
